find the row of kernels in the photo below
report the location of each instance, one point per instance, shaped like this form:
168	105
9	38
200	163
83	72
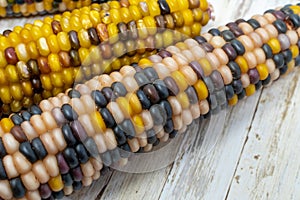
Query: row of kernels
249	52
25	9
55	63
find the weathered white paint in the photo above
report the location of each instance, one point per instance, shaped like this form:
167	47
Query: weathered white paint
256	157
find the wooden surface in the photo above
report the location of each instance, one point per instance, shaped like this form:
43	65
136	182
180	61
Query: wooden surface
255	157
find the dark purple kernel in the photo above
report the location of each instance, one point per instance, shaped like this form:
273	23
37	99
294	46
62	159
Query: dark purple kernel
253	75
62	164
78	130
45	191
11	56
197	69
230	51
77	174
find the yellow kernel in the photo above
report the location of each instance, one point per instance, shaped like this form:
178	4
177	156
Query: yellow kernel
173	5
56	79
14	39
28	26
56	183
22	52
98	122
75	23
145	62
205	18
95	17
203	4
125	15
85	21
68	76
241	61
113	32
39	23
16	106
183	100
295	9
17	29
291	66
250	90
295	50
47	94
46	30
27	88
84	39
198	14
53	43
186	31
43	47
5	95
153	8
138	123
32	50
201	90
205	66
168	37
114	4
12	74
54	63
95	54
135	12
57	90
233	101
4	43
275	45
3	78
150	24
84	55
125	106
2	12
3	62
105	17
6	124
65	24
63	41
46	82
133	2
36	33
263	71
188	17
134	102
142	29
49	20
196	29
31	9
180	80
16	91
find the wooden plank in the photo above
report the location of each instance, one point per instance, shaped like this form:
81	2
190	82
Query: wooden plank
209	178
269	166
136	186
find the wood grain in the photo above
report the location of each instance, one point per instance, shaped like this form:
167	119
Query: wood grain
255	157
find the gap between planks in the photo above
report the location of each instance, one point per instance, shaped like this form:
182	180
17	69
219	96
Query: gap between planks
242	150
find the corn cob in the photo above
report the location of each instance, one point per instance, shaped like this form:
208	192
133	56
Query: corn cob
63	143
42	59
22	8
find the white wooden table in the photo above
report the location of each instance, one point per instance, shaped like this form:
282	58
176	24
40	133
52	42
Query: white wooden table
256	156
